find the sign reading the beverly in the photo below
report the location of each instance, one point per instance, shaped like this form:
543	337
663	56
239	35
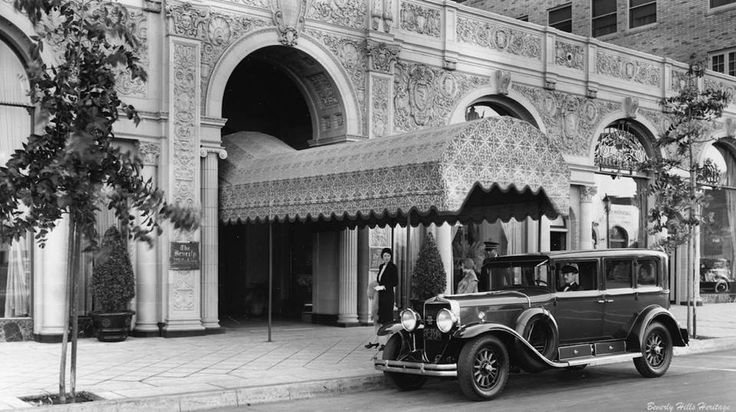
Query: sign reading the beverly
184	256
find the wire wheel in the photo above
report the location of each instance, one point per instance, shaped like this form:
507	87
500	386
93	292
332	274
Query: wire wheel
656	351
483	368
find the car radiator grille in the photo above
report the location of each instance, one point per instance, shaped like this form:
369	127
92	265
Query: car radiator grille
434	340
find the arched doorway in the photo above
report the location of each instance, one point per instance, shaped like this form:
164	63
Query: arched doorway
621	203
276	93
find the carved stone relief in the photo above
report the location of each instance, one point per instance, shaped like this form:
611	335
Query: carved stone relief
184	139
183	290
499	37
421	20
424	95
587	193
124	84
625	68
569	55
288	16
679	80
379	106
350	13
659	119
322	86
382	56
503	80
149	153
630	106
263	4
714	84
570	120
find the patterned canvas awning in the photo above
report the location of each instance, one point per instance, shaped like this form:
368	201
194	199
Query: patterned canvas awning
485	169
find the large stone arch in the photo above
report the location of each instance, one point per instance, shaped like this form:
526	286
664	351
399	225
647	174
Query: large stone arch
641	125
257	40
16	31
514	101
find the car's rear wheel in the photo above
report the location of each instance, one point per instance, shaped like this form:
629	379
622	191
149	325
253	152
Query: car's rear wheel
721	286
483	368
403	381
656	351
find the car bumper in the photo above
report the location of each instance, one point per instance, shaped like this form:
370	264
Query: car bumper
417	368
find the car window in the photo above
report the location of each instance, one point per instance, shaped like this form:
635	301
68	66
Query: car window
505	275
586	278
646	272
619	273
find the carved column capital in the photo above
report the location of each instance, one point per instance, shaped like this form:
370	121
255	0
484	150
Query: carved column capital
587	193
381	57
205	150
149	152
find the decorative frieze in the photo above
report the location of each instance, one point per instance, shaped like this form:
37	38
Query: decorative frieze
499	37
124	84
570	120
184	138
569	55
714	84
349	13
629	69
659	119
679	80
421	20
424	95
380	89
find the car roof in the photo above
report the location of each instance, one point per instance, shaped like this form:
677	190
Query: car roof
577	254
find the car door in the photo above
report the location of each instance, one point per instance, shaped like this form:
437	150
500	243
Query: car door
579	313
620	305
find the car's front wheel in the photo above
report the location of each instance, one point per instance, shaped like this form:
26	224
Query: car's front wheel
656	351
483	368
403	381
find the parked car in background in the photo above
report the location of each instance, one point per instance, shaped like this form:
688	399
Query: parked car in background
715	275
526	315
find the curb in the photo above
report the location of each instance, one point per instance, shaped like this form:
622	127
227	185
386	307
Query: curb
237	397
706	345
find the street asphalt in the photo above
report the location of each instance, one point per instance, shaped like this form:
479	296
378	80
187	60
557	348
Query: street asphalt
240	367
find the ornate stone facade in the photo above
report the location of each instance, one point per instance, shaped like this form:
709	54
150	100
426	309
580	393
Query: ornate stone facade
569	55
420	20
382	56
628	68
184	140
380	93
499	37
425	95
349	13
125	84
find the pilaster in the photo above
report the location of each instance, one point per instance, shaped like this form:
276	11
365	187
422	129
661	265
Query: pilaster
586	216
348	278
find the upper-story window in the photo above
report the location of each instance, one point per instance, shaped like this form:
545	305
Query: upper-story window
561	18
604	17
719	3
642	12
723	61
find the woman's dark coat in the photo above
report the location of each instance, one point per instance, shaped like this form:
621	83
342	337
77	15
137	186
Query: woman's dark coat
389	278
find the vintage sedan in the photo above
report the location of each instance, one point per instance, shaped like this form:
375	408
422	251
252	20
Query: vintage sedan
527	316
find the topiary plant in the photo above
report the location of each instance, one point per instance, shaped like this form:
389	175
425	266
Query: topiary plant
113	284
429	278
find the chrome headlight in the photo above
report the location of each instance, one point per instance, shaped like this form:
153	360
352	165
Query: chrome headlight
446	320
409	320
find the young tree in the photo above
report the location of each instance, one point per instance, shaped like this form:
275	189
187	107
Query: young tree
73	166
677	178
429	278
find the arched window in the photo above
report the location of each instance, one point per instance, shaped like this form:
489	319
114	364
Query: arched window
15	126
621	200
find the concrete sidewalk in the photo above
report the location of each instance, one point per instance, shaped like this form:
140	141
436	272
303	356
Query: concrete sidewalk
239	367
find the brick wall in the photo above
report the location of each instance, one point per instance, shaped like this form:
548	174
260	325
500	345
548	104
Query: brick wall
683	27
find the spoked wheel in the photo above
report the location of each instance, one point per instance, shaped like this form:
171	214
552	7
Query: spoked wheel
656	351
403	381
721	286
483	368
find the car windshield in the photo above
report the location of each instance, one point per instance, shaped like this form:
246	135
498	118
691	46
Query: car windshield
514	275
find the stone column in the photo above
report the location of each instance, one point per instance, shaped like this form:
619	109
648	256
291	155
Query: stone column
348	278
146	263
49	285
183	316
586	216
209	236
443	236
363	275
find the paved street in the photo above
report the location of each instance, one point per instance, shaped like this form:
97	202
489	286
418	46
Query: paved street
694	383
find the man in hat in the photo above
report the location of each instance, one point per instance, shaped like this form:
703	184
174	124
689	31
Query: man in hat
570	275
491	252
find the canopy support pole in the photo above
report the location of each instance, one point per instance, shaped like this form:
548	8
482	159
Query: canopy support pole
270	275
407	275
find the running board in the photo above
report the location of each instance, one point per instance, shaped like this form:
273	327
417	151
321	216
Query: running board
600	360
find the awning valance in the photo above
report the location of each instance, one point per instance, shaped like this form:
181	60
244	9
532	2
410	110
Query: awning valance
485	169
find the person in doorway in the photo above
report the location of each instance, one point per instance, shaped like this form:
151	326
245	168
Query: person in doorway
387	279
570	275
469	282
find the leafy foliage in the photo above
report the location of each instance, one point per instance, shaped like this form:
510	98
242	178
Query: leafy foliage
73	167
113	284
677	180
429	278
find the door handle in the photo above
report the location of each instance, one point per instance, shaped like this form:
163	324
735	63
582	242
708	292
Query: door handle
602	301
609	300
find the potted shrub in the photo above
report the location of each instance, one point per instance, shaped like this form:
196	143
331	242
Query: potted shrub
428	278
113	286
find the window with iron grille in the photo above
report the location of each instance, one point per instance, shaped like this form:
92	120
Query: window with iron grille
642	12
604	17
561	17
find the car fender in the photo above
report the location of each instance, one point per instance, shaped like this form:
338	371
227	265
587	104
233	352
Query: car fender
512	339
659	314
530	315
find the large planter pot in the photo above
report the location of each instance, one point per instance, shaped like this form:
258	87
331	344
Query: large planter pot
112	327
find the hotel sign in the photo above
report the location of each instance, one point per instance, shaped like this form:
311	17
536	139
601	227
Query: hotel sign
184	256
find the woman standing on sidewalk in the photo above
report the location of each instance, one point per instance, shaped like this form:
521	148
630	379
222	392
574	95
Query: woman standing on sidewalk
388	278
